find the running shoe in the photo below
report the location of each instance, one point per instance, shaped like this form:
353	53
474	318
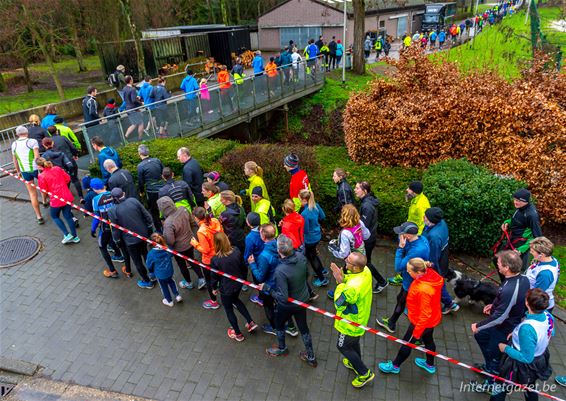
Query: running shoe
421	363
276	351
167	303
238	337
304	356
330	294
67	238
449	309
76	240
325	272
384	322
109	274
379	288
561	380
76	222
320	283
346	362
40	221
186	285
251	326
117	259
313	297
152	277
292	331
201	283
388	367
397	280
148	285
210	304
245	288
179	298
255	299
360	381
267	329
127	273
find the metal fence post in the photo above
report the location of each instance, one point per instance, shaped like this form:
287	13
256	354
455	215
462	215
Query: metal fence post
119	121
253	90
220	103
87	141
238	97
151	123
200	112
178	117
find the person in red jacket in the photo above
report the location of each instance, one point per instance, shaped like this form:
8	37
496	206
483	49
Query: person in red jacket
425	313
55	180
293	224
299	179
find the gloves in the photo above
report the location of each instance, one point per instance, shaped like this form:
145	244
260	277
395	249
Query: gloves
93	234
243	192
333	245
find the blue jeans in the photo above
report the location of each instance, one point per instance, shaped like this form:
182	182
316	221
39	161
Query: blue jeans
488	341
56	211
166	285
445	297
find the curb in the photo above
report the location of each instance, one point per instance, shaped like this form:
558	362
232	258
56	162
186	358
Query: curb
18	367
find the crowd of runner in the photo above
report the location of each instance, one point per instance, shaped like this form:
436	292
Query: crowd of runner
199	211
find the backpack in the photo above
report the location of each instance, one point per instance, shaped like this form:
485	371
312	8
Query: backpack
358	237
113	79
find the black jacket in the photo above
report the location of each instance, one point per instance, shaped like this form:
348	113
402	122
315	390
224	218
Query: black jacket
344	195
332	46
177	191
233	221
368	214
38	133
62	144
59	159
193	175
149	175
123	179
232	264
523	218
90	108
130	214
290	280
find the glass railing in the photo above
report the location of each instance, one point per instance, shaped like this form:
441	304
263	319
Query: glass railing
188	114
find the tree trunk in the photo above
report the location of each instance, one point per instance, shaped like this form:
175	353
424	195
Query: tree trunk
77	48
211	16
27	77
359	36
224	12
2	83
127	10
52	47
238	18
44	47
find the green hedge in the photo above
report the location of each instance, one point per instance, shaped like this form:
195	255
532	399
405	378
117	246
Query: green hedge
474	200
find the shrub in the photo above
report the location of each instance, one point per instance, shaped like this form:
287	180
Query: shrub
207	152
270	158
431	112
474	200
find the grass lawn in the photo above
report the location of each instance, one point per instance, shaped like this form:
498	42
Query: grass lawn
10	104
560	290
504	47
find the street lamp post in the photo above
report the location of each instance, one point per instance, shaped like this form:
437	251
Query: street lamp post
344	45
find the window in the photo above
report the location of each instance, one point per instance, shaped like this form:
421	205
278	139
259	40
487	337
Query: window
382	24
299	35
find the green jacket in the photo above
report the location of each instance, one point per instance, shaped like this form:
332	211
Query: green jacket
266	213
352	300
69	134
215	205
419	204
256	181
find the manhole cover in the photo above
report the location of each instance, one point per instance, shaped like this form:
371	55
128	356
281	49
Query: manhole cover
17	250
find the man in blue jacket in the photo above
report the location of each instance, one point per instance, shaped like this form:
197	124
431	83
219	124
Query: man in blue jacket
411	245
104	153
286	62
189	85
436	233
257	63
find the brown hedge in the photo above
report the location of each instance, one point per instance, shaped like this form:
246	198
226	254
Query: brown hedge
429	111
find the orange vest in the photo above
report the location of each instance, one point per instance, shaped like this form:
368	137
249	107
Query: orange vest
271	69
224	79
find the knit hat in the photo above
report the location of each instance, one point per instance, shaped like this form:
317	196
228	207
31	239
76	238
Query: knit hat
121	68
86	181
416	187
434	214
257	191
523	194
213	175
117	194
58	120
406	228
253	219
291	160
96	184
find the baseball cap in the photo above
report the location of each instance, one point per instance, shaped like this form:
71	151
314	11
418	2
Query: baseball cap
406	228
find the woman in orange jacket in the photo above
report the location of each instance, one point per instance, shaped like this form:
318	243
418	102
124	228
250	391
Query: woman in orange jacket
208	226
293	224
223	78
425	313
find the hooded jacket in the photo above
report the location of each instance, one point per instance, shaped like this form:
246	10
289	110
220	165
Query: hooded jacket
215	206
130	213
263	269
256	181
368	214
62	144
290	280
159	262
55	180
232	264
178	225
416	249
423	302
312	223
417	208
108	153
344	194
254	244
293	226
233	220
437	237
205	235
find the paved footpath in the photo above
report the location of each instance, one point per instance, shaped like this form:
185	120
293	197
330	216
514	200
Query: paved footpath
59	311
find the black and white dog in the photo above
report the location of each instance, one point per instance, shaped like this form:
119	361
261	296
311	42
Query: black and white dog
476	290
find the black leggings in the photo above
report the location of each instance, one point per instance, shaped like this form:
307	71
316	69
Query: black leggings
153	209
184	265
75	178
369	245
207	276
138	253
231	301
283	313
426	339
105	239
350	348
399	308
311	253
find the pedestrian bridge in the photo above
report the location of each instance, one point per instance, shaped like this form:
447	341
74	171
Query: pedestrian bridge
205	116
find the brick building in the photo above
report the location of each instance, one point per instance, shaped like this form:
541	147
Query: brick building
300	20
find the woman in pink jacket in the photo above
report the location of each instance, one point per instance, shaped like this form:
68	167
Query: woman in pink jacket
55	180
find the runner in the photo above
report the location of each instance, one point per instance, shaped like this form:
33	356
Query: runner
299	178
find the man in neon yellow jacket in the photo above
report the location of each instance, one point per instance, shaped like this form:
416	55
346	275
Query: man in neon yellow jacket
352	299
67	132
418	205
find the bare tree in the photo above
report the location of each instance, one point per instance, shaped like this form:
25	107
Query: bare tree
359	36
136	36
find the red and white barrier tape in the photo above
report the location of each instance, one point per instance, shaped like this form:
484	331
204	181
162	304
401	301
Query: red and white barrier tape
296	302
